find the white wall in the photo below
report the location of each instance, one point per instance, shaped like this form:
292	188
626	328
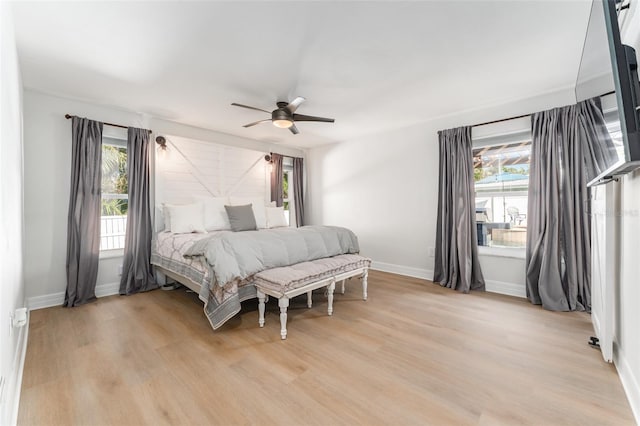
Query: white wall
47	149
627	327
12	341
385	187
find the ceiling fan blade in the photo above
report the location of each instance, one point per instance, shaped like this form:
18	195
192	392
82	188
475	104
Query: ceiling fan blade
294	104
294	129
302	117
256	122
250	107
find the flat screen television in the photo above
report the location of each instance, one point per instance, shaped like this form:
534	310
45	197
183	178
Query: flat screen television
609	67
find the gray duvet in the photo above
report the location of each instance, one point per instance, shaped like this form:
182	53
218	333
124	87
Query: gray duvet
234	258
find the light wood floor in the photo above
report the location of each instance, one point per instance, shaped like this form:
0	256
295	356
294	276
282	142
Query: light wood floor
414	353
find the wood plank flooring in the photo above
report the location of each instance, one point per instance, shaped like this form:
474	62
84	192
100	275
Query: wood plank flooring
414	353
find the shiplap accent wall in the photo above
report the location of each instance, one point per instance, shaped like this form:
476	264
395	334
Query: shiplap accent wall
191	168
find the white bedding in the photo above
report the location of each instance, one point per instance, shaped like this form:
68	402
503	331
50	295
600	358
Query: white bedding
168	252
220	302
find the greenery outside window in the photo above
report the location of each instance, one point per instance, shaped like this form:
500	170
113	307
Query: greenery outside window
286	179
115	199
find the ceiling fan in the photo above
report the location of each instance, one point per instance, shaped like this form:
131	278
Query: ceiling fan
285	115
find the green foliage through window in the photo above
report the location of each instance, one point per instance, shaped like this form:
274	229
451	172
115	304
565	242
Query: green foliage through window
285	185
115	184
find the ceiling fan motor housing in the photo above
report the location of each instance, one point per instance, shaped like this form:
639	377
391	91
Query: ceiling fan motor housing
281	114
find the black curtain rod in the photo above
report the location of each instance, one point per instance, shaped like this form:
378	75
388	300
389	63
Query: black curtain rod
521	116
67	116
282	155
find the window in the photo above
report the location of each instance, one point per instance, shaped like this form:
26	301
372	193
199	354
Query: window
501	175
286	178
287	187
115	200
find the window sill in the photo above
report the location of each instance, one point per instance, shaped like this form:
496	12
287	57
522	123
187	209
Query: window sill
109	254
512	252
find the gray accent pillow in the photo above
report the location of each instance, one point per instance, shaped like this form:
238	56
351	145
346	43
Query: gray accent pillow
241	218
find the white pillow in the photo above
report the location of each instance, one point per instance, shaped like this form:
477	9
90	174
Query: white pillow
258	206
215	215
186	218
276	217
165	217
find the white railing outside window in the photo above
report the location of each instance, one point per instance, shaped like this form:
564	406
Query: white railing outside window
287	182
112	232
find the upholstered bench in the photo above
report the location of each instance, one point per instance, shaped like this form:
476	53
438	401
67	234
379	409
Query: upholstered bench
290	281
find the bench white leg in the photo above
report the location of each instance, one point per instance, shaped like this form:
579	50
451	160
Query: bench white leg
330	291
364	284
283	302
261	300
309	299
343	281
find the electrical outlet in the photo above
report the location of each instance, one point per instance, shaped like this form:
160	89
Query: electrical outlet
431	251
120	270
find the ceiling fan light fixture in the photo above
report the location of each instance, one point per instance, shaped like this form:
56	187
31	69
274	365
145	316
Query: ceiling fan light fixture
285	117
282	123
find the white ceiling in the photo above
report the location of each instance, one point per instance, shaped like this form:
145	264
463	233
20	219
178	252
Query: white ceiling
372	66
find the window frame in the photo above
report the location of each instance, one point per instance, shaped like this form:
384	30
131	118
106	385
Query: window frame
498	139
119	251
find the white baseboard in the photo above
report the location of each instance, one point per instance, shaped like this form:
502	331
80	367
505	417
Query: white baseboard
108	289
500	287
57	299
45	301
408	271
14	383
630	382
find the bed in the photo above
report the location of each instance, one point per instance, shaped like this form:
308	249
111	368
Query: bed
220	265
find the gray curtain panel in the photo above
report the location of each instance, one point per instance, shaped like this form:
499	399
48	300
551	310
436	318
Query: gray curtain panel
599	150
137	275
569	145
276	179
83	222
298	196
456	258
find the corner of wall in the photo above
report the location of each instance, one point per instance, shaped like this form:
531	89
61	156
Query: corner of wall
12	340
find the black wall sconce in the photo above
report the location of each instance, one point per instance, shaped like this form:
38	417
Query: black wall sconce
162	141
267	158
